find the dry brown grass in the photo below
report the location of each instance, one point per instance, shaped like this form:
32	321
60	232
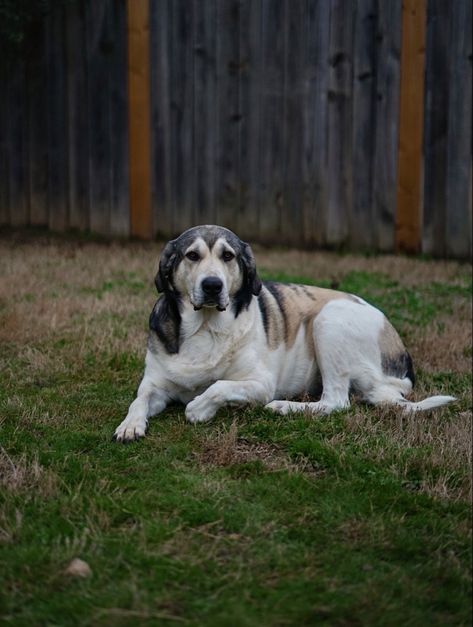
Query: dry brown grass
52	288
443	344
226	448
21	475
56	286
325	265
47	289
443	446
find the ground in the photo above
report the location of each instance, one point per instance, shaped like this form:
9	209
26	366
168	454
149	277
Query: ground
359	518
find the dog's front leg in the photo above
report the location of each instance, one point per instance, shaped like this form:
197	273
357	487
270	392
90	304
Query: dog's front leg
151	399
221	393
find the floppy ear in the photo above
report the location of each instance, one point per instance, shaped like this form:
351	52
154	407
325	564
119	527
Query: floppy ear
166	263
252	279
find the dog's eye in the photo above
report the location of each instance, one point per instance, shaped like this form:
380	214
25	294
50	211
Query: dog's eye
227	256
193	256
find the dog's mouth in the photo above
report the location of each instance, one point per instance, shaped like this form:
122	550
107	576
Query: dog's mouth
209	299
210	305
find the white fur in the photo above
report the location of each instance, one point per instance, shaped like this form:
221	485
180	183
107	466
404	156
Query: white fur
223	360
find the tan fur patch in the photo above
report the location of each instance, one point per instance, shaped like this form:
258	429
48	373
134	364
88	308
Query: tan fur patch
390	343
291	306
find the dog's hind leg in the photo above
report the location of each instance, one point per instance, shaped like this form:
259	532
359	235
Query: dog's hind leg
335	371
336	385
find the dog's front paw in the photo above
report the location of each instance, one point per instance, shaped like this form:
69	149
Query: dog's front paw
200	409
130	429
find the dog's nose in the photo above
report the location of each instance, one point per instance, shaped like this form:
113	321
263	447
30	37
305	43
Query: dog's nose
212	286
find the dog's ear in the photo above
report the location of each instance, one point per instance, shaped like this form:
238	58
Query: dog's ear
162	279
253	281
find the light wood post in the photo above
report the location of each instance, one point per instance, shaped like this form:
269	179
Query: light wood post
411	123
139	118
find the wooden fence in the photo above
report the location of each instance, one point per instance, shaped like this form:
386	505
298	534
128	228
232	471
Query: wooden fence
308	122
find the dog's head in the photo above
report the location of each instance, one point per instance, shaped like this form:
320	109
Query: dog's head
211	267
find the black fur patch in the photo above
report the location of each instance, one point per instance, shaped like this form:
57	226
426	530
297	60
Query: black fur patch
275	291
165	321
251	284
400	366
242	298
263	307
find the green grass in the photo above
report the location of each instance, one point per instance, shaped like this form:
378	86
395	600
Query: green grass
359	518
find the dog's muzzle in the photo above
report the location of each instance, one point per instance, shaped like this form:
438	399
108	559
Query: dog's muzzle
212	288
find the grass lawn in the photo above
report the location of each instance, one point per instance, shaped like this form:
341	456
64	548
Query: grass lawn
359	518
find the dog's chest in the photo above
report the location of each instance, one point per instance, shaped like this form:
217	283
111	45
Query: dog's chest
202	359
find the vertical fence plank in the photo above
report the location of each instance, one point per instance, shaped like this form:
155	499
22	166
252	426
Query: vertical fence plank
4	210
293	123
37	129
385	158
272	130
139	117
120	223
57	122
205	112
100	171
458	184
17	153
250	101
435	127
364	102
162	192
78	127
316	126
182	113
340	95
410	125
227	177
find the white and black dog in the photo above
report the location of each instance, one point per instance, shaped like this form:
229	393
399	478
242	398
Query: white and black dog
219	336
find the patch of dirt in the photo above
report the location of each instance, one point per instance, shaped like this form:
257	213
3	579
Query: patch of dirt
227	449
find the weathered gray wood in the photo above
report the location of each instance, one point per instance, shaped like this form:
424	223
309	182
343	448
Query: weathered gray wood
37	103
205	112
227	171
316	127
4	209
277	118
388	39
272	130
57	122
17	147
78	126
182	113
117	97
295	73
161	117
458	177
364	111
435	126
339	170
100	157
250	107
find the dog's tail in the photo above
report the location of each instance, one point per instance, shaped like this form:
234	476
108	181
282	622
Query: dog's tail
428	403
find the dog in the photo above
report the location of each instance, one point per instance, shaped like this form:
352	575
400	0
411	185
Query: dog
220	336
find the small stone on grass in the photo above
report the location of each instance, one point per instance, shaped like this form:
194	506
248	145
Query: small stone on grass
78	568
